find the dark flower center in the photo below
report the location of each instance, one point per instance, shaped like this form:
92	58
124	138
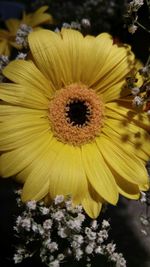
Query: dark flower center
78	112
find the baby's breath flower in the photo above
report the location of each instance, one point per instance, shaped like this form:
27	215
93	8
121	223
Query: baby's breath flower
94	225
25	223
62	232
105	224
62	222
53	246
59	199
143	197
132	28
31	204
99	250
137	101
58	215
144	221
89	249
21	55
22	34
18	258
78	254
44	210
54	263
4	60
135	91
47	224
111	248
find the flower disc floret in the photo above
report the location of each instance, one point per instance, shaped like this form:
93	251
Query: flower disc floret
76	114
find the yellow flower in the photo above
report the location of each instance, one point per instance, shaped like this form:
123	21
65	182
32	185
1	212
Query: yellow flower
67	124
7	37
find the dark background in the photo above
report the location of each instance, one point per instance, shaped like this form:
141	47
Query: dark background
125	218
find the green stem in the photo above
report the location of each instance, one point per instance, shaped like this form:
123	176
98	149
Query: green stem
142	26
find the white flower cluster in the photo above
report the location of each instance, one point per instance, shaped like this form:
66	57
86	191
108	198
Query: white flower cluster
135	5
132	15
61	231
4	60
145	215
22	34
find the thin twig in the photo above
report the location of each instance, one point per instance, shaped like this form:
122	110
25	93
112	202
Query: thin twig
142	26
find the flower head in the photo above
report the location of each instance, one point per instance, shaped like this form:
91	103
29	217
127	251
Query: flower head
32	20
67	124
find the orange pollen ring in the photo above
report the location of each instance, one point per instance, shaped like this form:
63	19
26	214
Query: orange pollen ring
63	126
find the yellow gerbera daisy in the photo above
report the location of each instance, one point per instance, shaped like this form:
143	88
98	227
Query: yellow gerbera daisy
66	125
7	37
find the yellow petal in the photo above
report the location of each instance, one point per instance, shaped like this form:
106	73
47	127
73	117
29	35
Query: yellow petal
25	96
27	74
13	25
48	51
67	175
11	163
20	130
122	162
98	174
115	91
127	140
37	183
126	188
74	49
91	206
129	128
6	111
38	17
124	108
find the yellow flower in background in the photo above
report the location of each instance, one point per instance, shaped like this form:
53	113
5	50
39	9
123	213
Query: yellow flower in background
67	124
7	37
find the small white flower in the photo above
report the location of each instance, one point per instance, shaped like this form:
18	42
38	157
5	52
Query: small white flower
144	221
89	249
44	210
21	55
58	199
81	217
91	235
121	263
53	246
137	101
144	232
31	204
68	204
60	257
94	225
143	197
105	224
18	221
103	234
26	224
74	224
47	224
35	227
111	248
58	215
75	244
100	240
54	263
78	254
135	91
78	238
62	232
132	28
18	258
99	250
